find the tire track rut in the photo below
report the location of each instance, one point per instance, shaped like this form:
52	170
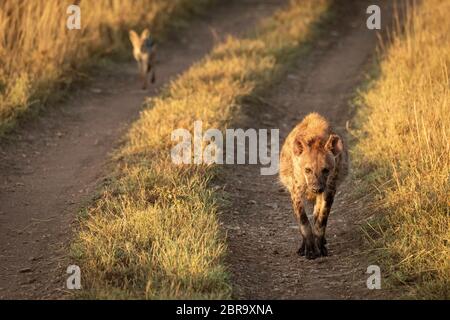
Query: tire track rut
263	236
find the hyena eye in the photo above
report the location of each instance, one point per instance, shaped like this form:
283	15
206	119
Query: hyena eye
308	170
325	171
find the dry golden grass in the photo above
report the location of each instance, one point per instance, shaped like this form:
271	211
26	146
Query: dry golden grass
404	151
39	56
154	231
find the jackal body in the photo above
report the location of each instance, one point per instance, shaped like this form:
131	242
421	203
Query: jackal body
313	162
144	52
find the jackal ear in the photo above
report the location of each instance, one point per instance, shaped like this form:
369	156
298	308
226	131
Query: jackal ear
334	144
145	34
134	38
298	146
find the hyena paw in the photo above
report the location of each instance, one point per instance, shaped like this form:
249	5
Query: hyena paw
301	251
321	245
312	252
323	251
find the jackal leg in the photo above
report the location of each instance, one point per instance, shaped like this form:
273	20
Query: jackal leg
153	75
144	74
308	247
322	209
152	65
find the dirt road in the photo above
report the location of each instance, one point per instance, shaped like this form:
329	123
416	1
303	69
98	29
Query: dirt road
263	236
50	167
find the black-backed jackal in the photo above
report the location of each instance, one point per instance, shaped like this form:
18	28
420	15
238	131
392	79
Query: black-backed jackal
144	51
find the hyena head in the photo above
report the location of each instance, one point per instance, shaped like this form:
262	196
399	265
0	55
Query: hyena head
315	161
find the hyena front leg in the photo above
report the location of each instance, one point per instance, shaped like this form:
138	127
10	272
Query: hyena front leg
322	209
308	247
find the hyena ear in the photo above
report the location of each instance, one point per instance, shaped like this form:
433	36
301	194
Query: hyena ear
334	144
298	146
134	38
145	34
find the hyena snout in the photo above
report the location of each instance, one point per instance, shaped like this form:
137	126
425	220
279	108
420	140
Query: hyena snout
317	189
318	185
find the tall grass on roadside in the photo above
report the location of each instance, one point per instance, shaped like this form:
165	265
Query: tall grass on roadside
404	152
39	56
154	231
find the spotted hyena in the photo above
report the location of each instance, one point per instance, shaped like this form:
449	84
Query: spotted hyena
313	162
